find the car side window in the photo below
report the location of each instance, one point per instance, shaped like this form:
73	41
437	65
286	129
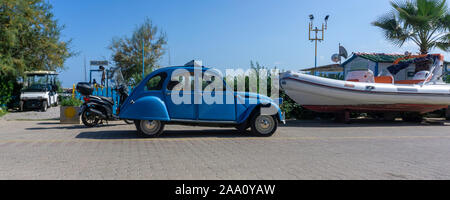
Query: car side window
156	82
210	79
181	82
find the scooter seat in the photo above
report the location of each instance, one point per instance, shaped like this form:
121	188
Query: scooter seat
107	99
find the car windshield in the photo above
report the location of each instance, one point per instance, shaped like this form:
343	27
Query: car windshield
36	88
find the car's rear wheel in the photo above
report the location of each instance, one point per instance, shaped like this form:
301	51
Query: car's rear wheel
264	125
149	128
127	121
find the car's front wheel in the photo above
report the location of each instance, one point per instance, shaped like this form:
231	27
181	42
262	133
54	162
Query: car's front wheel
44	106
149	128
264	125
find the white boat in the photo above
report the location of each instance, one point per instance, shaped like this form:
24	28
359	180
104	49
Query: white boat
379	94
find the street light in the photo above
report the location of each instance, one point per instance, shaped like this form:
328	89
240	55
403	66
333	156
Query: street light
316	38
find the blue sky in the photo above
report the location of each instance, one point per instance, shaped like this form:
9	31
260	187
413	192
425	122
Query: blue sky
225	33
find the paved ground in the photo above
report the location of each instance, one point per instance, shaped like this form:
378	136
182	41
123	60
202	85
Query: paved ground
51	114
300	150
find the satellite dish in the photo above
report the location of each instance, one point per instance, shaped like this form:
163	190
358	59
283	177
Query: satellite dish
336	58
343	52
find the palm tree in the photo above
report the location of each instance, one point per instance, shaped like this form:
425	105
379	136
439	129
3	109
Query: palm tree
424	22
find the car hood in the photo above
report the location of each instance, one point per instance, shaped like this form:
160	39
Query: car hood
254	97
32	95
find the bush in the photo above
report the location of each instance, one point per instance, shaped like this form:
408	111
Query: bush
3	111
6	90
9	91
71	102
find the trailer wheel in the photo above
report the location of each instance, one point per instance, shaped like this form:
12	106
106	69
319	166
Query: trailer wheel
343	117
412	117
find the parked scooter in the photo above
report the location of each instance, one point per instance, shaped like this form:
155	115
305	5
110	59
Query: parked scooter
97	109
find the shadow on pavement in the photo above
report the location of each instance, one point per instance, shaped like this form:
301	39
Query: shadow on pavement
360	123
49	123
66	127
121	134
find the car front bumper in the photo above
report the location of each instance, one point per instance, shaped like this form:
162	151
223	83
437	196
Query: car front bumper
32	103
283	118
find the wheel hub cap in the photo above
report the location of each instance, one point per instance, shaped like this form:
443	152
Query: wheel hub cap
265	124
150	127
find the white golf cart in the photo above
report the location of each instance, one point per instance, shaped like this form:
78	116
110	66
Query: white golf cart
40	90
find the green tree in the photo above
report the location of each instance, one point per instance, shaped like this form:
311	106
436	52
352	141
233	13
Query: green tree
29	40
424	22
127	51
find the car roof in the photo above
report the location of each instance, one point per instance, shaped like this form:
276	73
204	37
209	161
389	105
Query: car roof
164	69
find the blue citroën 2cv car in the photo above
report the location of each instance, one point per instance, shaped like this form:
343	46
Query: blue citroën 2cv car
170	96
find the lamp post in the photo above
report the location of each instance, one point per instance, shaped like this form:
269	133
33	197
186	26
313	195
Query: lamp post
316	37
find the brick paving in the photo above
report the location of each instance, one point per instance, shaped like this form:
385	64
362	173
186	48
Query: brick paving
300	150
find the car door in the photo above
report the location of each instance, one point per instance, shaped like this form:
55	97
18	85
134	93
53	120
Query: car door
179	97
218	109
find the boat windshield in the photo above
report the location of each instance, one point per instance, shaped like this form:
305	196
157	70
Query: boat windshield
433	64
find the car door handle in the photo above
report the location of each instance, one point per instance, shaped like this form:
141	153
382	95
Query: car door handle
132	102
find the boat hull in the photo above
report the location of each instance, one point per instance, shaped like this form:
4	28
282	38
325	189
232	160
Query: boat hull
381	108
328	95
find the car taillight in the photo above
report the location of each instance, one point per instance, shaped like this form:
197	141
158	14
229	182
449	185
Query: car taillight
86	99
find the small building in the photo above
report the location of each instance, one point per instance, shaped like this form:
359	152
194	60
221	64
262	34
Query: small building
333	68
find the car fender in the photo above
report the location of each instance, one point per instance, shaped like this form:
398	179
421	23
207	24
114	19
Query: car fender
252	108
145	108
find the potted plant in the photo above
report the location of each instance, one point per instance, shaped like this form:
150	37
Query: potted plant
69	111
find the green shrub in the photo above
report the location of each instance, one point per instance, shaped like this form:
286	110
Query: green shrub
71	102
6	89
3	111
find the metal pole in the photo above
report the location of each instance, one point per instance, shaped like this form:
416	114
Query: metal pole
315	58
